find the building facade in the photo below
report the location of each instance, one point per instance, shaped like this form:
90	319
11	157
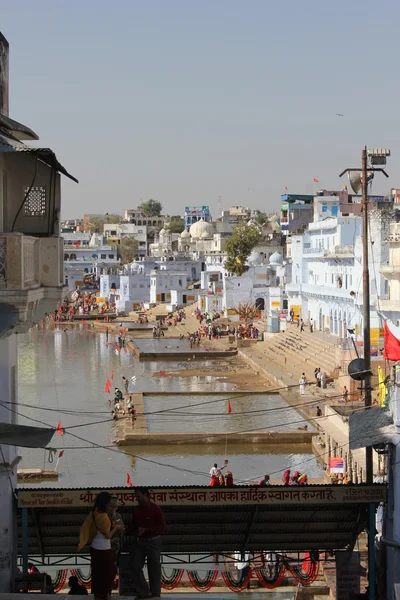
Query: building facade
31	279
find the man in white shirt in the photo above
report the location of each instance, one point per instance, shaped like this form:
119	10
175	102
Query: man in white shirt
243	565
215	471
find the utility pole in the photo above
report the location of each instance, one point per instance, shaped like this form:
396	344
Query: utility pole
378	157
366	308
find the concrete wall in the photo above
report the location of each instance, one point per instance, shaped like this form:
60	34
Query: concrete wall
8	530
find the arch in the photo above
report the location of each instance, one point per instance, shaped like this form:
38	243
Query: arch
86	270
72	256
66	256
260	303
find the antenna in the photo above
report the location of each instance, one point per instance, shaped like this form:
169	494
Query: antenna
220	205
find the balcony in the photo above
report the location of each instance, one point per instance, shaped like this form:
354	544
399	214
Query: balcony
390	271
340	252
389	305
31	279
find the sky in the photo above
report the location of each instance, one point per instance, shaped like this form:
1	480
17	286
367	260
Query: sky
189	101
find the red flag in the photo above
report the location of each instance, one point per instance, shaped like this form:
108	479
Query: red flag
112	375
229	407
316	180
392	342
129	480
107	389
286	187
59	429
61	453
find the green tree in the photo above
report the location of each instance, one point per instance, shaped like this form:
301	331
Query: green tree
239	246
127	249
176	224
151	208
97	221
260	217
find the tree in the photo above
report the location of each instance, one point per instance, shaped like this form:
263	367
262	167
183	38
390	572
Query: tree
97	221
247	311
176	225
127	249
239	246
151	208
261	217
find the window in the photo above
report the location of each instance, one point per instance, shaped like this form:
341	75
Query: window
111	256
103	256
140	230
335	211
35	201
324	208
180	281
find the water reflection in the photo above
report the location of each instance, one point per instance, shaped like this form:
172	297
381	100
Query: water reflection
65	373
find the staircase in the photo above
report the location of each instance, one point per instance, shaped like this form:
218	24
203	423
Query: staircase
285	356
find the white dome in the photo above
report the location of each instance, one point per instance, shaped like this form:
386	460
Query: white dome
255	258
201	229
185	234
276	259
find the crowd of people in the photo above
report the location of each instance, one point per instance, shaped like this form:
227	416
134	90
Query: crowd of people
218	479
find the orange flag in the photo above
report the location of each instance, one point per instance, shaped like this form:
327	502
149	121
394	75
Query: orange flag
129	480
112	375
59	429
229	407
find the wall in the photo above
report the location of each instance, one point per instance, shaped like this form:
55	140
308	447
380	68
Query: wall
18	175
8	532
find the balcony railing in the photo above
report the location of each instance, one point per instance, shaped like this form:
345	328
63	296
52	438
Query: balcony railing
27	262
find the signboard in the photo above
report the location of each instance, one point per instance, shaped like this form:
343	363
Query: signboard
203	496
347	575
100	300
336	464
276	304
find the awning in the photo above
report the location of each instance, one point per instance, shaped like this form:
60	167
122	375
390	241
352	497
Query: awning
25	436
206	520
371	427
46	155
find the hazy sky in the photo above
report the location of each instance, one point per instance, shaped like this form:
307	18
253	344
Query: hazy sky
188	100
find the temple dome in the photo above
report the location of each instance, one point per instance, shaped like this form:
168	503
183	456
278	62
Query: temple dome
276	259
201	230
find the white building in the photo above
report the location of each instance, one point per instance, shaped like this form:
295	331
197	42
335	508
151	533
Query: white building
31	282
171	287
390	306
326	268
86	254
114	233
262	285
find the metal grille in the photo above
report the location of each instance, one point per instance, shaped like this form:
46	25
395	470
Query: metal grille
35	202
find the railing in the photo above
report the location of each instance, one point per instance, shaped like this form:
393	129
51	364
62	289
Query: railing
313	251
29	262
340	251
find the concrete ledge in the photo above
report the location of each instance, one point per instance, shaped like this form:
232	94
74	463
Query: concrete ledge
262	437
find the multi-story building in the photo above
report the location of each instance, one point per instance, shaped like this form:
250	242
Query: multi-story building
326	266
296	212
86	254
390	306
195	213
31	284
114	233
136	217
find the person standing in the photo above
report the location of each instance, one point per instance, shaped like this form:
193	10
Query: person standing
264	481
97	531
291	314
345	396
302	384
301	325
311	326
148	523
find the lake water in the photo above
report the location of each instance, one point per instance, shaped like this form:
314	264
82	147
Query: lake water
62	377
